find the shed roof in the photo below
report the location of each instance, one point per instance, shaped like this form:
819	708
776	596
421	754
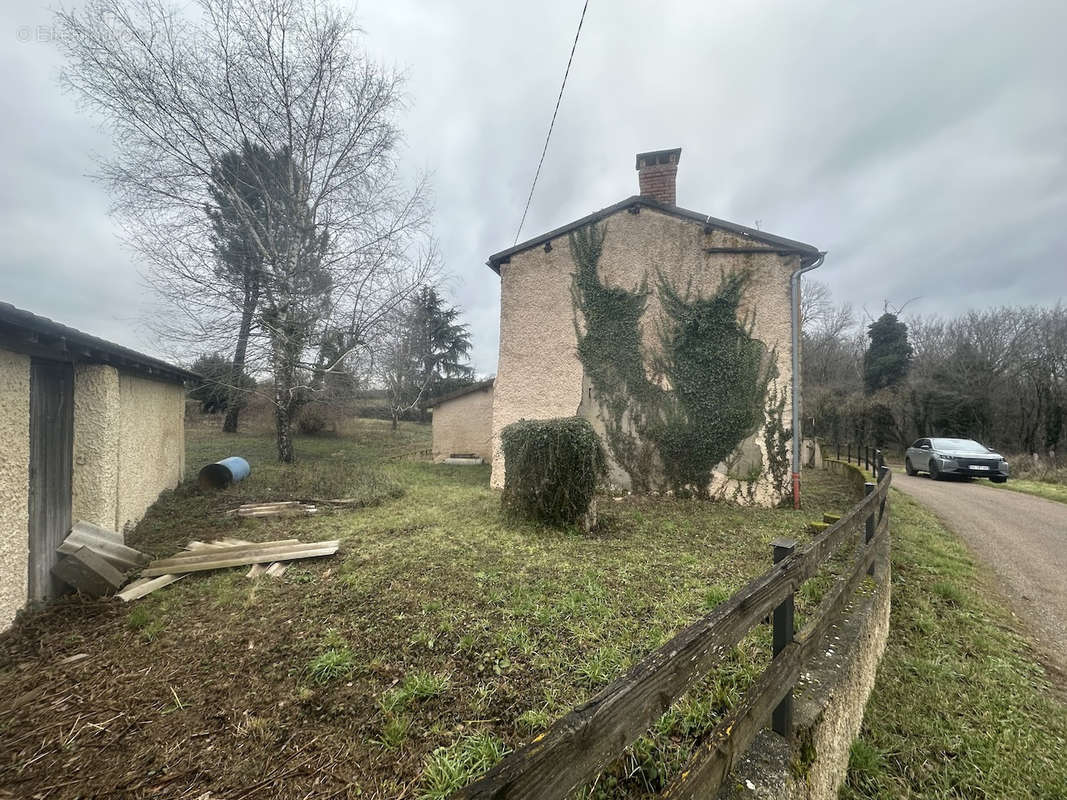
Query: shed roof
26	332
807	252
474	387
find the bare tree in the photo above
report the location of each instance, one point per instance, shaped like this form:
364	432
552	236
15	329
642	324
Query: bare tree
341	241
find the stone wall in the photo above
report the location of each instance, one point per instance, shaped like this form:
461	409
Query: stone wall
539	374
464	424
14	483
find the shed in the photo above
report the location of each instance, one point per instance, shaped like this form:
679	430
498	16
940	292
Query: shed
90	430
463	422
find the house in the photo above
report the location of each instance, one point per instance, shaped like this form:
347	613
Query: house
462	422
673	332
89	430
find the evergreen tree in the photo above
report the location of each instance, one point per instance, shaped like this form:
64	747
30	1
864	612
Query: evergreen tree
427	352
888	357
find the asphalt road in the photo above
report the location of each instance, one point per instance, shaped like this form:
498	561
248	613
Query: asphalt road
1022	538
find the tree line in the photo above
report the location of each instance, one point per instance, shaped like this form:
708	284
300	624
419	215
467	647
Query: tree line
997	375
256	170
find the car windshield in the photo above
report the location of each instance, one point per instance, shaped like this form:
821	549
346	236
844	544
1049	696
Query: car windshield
959	445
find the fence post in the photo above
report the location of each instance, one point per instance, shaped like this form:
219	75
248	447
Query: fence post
867	457
838	449
869	523
878	462
848	454
782	717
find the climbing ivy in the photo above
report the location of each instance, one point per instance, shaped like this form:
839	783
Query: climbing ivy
691	404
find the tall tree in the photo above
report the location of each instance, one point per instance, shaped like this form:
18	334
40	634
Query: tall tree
888	356
339	242
426	353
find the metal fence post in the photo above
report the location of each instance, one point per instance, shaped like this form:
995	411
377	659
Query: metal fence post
838	449
867	457
848	454
782	717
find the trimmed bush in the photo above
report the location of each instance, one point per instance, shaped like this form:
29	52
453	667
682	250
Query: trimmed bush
551	468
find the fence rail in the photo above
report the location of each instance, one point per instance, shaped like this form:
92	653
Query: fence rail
869	457
578	746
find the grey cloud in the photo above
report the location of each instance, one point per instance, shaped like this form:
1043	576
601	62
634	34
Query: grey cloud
921	143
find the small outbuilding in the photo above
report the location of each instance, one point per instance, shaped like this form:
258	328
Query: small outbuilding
89	430
463	423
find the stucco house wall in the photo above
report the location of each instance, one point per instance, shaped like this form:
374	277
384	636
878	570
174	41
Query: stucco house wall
464	424
14	482
539	374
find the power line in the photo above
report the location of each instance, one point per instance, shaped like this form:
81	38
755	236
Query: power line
553	123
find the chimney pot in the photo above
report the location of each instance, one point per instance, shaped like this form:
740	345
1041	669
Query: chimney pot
657	173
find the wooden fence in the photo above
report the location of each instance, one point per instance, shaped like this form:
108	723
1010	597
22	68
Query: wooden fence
578	746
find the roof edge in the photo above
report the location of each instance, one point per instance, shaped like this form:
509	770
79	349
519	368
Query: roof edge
641	200
51	339
463	390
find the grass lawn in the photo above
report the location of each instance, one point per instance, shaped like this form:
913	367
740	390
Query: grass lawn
1050	491
960	707
441	636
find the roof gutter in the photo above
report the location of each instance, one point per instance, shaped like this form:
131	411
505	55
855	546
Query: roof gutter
794	296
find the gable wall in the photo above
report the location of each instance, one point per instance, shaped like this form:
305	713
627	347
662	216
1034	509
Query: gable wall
539	374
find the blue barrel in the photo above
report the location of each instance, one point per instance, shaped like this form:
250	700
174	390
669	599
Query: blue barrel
222	473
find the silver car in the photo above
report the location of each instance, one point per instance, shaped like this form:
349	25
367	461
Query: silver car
961	457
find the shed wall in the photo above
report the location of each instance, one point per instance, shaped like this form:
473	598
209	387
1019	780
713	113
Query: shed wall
539	374
151	444
14	483
95	484
464	425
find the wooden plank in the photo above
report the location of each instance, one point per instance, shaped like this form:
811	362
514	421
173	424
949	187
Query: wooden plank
147	586
217	550
87	572
277	569
221	560
255	571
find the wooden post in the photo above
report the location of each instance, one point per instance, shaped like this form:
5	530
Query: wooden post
782	716
867	458
848	454
868	534
838	449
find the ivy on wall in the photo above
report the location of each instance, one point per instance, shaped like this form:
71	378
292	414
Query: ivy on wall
670	418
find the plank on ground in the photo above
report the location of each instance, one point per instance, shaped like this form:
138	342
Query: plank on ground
140	588
223	560
213	549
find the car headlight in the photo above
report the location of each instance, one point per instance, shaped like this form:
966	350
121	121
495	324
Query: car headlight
1003	466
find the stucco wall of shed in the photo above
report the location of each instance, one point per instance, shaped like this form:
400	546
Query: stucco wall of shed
151	444
94	484
539	374
129	444
464	425
14	483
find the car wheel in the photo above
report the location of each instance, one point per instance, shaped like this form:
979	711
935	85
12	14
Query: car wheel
999	479
908	468
935	473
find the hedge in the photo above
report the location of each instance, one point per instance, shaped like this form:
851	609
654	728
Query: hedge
551	468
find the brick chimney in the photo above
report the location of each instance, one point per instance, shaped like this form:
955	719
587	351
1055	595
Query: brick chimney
657	172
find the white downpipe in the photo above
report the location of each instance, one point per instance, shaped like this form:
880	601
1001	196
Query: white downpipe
794	292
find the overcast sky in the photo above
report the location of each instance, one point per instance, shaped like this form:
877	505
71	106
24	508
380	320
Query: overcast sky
924	144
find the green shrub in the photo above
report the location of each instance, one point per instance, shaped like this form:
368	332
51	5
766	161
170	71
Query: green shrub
552	468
